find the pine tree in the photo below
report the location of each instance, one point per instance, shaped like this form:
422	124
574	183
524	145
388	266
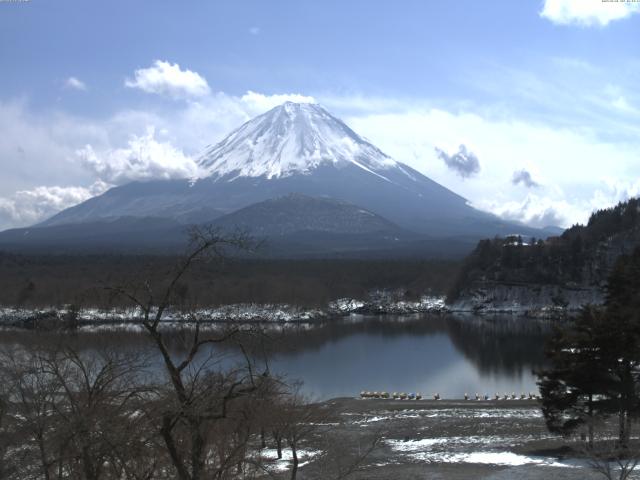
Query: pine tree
621	339
595	360
572	389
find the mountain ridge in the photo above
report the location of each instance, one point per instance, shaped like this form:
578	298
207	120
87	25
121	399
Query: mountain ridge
296	148
290	148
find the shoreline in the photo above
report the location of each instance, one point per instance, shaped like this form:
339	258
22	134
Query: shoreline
68	317
371	404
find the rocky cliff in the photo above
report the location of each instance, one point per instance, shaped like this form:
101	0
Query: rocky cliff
548	277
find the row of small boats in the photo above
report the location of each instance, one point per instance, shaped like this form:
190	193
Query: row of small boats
394	395
436	396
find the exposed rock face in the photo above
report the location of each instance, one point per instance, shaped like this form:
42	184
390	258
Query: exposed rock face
531	300
552	277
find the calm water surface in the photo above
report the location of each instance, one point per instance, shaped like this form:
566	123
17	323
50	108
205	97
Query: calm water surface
415	353
425	354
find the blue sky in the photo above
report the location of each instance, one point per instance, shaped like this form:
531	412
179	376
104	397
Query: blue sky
94	94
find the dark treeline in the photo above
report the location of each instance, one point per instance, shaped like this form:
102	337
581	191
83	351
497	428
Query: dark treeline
595	363
55	280
582	255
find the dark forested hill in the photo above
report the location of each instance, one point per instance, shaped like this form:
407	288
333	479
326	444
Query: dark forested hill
559	271
45	281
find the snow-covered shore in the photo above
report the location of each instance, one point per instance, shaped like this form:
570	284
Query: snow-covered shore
129	318
541	303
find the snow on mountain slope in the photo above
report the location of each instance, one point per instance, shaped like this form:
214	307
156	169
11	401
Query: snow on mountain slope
292	138
301	149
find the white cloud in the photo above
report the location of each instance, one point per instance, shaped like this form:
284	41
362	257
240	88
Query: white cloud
254	31
536	211
38	148
27	207
75	83
621	103
618	100
260	103
144	158
553	208
164	78
562	159
588	12
613	191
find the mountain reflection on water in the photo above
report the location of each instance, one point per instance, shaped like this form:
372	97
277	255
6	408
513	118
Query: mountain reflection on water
449	354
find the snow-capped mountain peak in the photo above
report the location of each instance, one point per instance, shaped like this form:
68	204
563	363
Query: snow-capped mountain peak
288	139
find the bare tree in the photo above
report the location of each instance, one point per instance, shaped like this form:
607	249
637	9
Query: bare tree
332	453
32	395
344	456
200	391
612	461
95	390
74	413
300	421
4	437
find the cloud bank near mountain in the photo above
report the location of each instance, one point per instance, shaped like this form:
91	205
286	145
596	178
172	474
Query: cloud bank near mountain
46	149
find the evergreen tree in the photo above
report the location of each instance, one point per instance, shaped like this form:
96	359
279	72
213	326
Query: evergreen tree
572	389
620	338
595	360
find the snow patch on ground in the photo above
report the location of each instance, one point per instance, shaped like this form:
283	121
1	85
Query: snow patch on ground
451	443
490	458
283	464
442	450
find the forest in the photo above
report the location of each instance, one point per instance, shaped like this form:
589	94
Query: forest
30	281
582	255
594	376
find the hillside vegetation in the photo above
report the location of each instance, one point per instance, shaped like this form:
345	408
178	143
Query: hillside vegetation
31	281
581	257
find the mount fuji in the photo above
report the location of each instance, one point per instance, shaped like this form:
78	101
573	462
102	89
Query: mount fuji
298	149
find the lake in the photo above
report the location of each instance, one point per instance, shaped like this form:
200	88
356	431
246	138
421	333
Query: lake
418	353
448	354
